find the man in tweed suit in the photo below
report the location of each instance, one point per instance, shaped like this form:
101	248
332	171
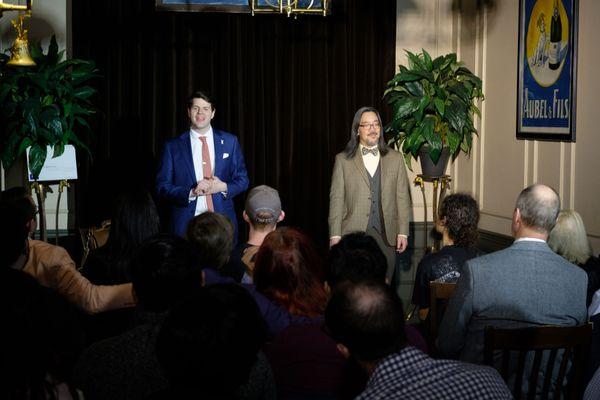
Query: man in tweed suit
366	321
526	284
369	189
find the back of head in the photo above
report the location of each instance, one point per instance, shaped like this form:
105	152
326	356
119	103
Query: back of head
13	233
210	342
263	207
289	271
212	236
165	270
460	215
366	317
539	206
569	238
19	198
356	257
134	219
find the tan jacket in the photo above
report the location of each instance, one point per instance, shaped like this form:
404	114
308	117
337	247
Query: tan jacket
349	197
53	268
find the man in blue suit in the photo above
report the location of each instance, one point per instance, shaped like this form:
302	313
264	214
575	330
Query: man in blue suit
202	169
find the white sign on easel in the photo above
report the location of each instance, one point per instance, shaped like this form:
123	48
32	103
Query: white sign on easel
63	167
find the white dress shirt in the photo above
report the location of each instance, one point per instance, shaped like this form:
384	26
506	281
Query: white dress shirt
196	143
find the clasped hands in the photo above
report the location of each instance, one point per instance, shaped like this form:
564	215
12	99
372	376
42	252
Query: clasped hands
210	185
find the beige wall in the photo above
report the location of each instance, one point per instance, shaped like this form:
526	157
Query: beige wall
501	165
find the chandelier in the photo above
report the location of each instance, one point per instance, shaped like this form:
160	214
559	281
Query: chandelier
289	7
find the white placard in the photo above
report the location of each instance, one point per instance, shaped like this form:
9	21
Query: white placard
60	168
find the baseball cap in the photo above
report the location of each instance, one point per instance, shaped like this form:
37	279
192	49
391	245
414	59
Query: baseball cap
263	200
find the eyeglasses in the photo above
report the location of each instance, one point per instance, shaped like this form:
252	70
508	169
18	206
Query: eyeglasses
371	125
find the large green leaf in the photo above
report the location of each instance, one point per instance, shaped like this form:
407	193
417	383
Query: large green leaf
427	61
84	92
453	139
415	88
37	158
406	106
440	106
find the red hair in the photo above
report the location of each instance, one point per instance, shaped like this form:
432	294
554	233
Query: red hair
289	271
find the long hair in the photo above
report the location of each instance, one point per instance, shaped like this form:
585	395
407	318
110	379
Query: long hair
460	213
569	238
134	219
289	271
354	141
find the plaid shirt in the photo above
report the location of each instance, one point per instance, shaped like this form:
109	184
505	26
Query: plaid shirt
411	374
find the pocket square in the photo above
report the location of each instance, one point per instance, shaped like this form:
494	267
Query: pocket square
225	155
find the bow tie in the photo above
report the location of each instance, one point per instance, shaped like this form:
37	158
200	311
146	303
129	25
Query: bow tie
366	151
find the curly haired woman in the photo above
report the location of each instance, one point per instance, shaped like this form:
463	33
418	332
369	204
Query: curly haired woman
457	222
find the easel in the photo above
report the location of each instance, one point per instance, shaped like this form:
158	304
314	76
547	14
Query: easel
40	190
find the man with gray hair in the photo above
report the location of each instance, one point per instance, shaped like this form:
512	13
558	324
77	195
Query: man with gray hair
526	284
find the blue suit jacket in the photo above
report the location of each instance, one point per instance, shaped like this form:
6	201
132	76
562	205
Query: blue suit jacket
176	177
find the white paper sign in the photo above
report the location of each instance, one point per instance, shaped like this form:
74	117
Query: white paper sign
60	168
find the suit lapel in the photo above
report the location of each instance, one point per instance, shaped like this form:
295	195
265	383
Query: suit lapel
185	149
360	166
219	144
384	163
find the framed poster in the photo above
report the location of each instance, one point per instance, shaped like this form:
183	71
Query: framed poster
547	69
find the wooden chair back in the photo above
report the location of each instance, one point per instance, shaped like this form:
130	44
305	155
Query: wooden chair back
438	291
574	340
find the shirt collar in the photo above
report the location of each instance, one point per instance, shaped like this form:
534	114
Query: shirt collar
528	239
194	134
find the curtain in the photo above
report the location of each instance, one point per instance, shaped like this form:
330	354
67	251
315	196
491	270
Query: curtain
288	88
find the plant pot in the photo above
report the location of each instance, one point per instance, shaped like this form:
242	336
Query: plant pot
428	168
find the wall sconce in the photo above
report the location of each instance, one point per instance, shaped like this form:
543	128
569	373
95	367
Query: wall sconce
289	7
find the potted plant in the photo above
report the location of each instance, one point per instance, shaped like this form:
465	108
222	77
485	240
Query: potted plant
44	105
433	102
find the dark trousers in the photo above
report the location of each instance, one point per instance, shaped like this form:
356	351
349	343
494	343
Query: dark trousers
388	251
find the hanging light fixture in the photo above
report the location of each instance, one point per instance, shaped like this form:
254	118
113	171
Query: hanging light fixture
290	7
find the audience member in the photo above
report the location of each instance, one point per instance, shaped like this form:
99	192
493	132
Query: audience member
210	347
289	271
165	271
262	213
523	285
457	222
366	321
358	258
212	236
53	268
211	233
42	338
134	219
569	239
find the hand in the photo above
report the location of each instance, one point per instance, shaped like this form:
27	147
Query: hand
401	243
334	240
216	186
203	187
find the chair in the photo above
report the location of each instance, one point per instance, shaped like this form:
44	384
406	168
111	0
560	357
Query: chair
574	340
92	238
438	291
